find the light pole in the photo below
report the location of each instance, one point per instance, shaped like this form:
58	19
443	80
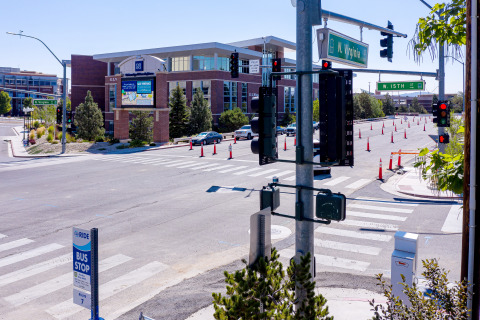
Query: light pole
463	79
64	65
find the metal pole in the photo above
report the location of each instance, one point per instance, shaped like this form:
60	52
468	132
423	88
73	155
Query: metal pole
441	86
64	112
304	172
94	274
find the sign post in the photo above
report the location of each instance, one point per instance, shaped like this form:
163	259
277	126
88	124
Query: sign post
85	269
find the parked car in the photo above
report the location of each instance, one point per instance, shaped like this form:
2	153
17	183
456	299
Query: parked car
207	137
291	129
280	130
245	132
318	169
315	125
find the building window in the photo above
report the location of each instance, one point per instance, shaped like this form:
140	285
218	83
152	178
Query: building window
223	64
173	84
289	99
244	66
315	77
289	76
10	81
229	95
181	64
112	97
244	97
203	63
205	86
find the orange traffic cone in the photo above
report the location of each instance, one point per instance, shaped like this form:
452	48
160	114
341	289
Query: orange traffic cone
295	142
423	127
380	177
395	128
391	160
401	121
392	137
409	124
285	145
234	139
399	158
201	154
368	144
405	134
371	127
359	134
230	149
214	147
382	130
191	147
393	122
383	124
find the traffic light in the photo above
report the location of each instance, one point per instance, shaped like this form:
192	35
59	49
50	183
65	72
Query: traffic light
387	43
234	64
444	138
59	115
435	113
69	117
443	114
326	65
276	67
265	145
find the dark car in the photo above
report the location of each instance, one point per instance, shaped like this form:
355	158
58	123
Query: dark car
207	137
280	130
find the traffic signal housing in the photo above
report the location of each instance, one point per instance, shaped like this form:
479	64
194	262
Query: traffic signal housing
265	125
443	114
326	65
59	115
69	117
276	67
444	138
387	43
234	64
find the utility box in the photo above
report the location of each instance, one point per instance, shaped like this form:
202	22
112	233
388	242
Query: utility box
404	262
260	236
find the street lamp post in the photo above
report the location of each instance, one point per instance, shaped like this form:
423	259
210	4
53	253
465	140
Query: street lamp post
463	79
64	97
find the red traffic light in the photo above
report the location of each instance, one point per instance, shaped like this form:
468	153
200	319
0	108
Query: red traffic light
326	65
444	138
443	106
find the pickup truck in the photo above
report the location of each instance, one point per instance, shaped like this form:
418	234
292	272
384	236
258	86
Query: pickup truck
245	132
291	129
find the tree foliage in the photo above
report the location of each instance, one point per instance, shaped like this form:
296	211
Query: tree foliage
417	107
89	119
441	302
289	118
457	102
231	120
366	106
5	105
266	284
316	110
69	104
179	116
141	127
200	114
388	105
451	30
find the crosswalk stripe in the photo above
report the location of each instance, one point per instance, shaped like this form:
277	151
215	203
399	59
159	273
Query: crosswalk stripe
188	165
219	167
233	169
60	282
261	173
387	201
370	225
29	254
378	208
330	261
359	183
350	247
157	163
283	173
336	181
179	164
15	244
205	166
67	308
374	215
354	234
247	171
290	178
2	236
34	269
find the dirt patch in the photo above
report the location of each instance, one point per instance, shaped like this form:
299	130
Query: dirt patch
42	146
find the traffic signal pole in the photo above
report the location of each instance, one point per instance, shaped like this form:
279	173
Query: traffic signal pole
64	112
304	172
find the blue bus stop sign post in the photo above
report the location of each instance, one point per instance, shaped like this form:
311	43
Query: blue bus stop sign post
85	269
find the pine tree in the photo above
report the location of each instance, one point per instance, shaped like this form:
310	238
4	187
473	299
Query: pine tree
388	105
5	105
201	115
141	127
178	113
89	119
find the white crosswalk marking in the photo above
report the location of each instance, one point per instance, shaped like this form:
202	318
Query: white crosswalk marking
292	178
354	234
60	282
374	215
247	171
233	169
188	165
350	247
219	167
332	261
283	173
205	166
261	173
2	236
385	201
359	183
67	308
378	208
179	164
168	162
29	254
369	225
34	269
336	181
15	244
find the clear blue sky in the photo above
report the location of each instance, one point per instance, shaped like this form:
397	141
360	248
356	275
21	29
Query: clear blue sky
102	26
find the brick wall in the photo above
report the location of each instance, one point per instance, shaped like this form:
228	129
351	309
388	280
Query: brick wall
88	74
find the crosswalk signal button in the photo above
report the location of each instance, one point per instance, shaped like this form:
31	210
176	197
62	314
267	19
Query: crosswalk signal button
330	206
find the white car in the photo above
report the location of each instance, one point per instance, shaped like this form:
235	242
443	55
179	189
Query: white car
245	132
291	129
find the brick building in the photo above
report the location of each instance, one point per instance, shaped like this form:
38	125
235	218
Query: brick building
202	66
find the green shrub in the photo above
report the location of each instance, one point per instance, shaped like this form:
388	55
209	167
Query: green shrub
122	146
55	142
70	138
40	132
59	135
36	124
51	129
31	135
50	137
231	120
99	139
137	143
113	141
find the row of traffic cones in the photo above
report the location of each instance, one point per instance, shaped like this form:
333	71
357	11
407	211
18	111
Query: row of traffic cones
390	165
202	154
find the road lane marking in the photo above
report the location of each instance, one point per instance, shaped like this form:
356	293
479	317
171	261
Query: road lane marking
350	247
247	171
453	222
374	215
67	308
189	165
205	166
283	173
29	254
354	234
15	244
219	167
336	181
179	164
369	225
290	178
387	201
233	169
379	208
262	173
358	184
34	269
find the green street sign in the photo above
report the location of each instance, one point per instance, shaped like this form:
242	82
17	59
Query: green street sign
338	47
401	86
42	102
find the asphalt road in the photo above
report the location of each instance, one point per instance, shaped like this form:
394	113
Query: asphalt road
170	222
